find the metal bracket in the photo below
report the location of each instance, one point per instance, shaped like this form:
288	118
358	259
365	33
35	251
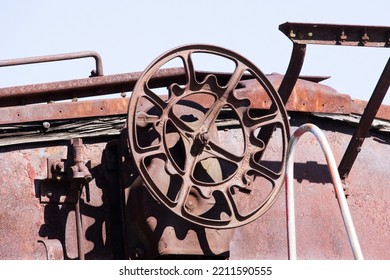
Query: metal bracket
344	35
337	34
65	177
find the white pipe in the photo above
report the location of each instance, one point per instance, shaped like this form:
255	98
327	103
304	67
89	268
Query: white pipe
346	215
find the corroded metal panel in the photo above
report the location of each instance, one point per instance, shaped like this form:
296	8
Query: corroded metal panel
320	231
25	219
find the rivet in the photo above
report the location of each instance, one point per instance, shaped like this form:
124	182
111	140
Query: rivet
46	125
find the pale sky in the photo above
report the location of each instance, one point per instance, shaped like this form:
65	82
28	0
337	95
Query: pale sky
130	34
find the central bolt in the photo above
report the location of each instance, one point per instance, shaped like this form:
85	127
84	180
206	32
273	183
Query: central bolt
201	141
203	137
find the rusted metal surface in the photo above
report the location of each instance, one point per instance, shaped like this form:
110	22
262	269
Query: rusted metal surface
306	97
336	34
63	110
25	220
79	88
320	232
58	57
358	106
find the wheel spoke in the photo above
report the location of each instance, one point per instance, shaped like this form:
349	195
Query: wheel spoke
190	70
265	123
254	123
184	192
151	151
234	80
264	171
234	213
153	97
220	153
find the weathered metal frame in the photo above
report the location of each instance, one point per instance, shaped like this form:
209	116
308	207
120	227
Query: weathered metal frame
337	34
347	35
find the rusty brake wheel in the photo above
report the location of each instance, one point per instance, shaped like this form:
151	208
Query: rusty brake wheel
207	174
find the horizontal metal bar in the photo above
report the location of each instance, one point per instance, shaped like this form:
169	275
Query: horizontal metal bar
64	110
336	34
57	57
95	86
307	97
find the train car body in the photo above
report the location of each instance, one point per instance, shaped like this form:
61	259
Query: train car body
74	184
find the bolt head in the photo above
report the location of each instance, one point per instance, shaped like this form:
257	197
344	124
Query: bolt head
46	125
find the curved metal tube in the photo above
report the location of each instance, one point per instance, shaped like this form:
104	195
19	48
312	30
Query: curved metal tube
352	236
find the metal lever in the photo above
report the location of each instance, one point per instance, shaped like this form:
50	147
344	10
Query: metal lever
354	242
80	177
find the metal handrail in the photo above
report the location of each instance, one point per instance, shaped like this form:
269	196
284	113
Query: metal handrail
58	57
352	236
